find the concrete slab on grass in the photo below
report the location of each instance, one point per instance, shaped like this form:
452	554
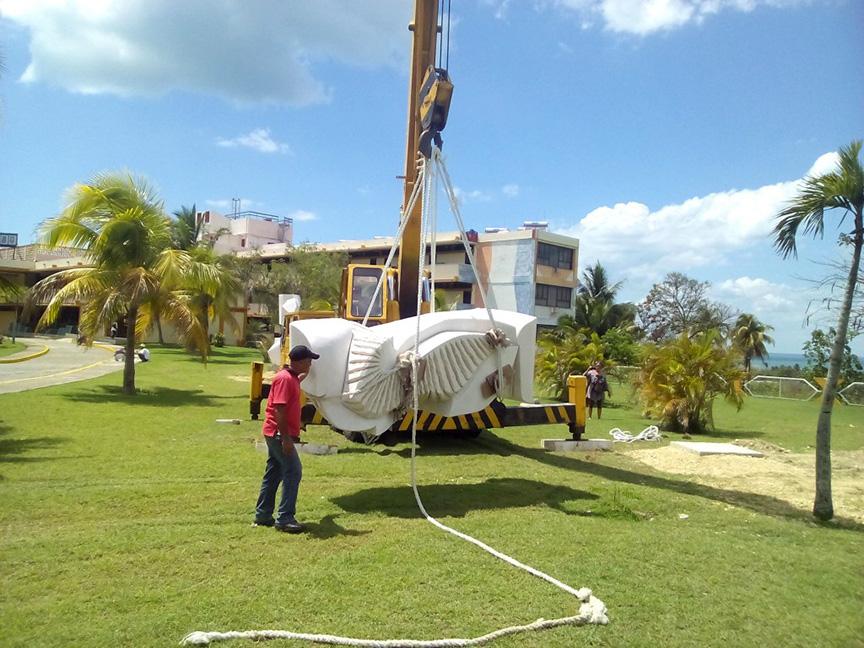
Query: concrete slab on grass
703	448
571	445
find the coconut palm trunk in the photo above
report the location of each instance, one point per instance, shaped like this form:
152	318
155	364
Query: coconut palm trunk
823	506
129	365
842	190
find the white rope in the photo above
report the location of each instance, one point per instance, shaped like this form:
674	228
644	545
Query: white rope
205	638
415	194
488	299
591	609
650	433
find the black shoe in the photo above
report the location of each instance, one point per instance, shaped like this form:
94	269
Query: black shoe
263	523
290	527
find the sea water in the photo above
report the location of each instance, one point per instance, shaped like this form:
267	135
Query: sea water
777	359
785	359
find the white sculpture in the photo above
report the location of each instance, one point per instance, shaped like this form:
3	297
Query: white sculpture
362	382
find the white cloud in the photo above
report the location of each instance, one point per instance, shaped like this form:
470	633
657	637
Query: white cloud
724	237
258	140
825	164
303	215
262	51
475	196
510	190
696	233
761	295
643	17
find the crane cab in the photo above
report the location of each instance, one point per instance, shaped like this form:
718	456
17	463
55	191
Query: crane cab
358	292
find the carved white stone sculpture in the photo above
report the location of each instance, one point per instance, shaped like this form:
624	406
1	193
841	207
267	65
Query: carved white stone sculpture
362	382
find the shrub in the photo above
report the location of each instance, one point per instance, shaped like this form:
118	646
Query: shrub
680	380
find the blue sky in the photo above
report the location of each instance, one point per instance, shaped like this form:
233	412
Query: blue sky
664	134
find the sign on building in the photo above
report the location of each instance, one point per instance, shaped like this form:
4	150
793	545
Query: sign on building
8	240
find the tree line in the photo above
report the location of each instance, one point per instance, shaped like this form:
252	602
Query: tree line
691	351
146	268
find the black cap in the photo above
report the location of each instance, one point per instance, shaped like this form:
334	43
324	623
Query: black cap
302	352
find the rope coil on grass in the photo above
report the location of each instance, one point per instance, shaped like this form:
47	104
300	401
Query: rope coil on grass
650	433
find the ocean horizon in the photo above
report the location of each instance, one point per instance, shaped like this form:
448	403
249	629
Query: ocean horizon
784	359
778	359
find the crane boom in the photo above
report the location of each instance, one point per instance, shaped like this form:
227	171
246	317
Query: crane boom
425	31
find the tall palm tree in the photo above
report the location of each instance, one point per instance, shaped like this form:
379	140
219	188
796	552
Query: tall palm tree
749	336
594	307
124	233
213	284
842	189
595	284
186	228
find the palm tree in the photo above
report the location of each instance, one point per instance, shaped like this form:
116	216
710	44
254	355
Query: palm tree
213	285
680	380
595	284
749	336
595	308
564	351
9	290
186	228
122	229
842	189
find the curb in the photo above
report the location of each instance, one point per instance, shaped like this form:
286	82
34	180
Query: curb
24	358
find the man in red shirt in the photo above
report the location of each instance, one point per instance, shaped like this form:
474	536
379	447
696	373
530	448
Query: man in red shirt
282	431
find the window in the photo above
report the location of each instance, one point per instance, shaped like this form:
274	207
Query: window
553	296
365	282
554	256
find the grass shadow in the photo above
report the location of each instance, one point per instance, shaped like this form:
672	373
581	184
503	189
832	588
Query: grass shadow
157	396
328	528
456	500
756	502
436	444
13	450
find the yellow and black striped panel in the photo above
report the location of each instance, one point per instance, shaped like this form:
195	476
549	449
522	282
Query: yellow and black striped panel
560	413
495	415
429	422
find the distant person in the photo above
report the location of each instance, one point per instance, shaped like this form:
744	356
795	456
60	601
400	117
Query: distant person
281	431
113	331
598	387
144	354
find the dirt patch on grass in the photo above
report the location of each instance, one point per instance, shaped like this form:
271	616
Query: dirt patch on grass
788	476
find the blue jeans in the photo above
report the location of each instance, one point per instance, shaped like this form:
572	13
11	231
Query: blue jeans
280	468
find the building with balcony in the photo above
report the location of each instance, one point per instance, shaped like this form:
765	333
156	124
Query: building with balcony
530	270
244	230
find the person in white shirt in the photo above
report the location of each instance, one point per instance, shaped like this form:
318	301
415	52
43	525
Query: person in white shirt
144	354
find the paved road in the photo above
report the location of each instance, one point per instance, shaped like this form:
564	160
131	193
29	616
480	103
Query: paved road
65	362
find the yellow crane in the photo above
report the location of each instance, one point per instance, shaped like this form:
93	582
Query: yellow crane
430	91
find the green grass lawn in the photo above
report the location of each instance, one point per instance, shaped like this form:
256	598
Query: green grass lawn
8	347
126	521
